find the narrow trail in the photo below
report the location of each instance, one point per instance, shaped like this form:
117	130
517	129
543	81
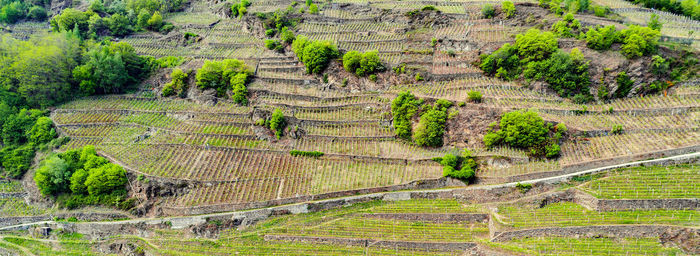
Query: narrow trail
549	180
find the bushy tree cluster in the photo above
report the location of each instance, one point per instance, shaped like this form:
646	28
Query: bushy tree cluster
224	75
566	27
240	8
83	177
567	74
118	18
601	38
624	85
314	54
277	123
178	84
23	132
536	55
403	108
638	41
111	68
431	126
459	167
12	11
526	130
362	64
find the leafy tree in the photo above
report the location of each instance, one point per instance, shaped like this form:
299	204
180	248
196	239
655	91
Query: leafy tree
509	8
313	9
314	54
42	131
77	182
504	62
287	35
71	18
521	129
53	176
488	11
654	22
638	41
105	179
221	75
142	19
17	159
601	38
103	72
178	84
15	127
403	108
12	12
155	22
535	45
362	63
277	122
37	13
565	73
119	25
431	126
97	26
624	85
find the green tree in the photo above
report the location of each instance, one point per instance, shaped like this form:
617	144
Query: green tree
77	182
317	54
431	126
155	22
106	179
37	13
71	18
509	8
522	129
17	159
277	122
42	131
119	25
654	22
53	176
536	45
142	19
403	108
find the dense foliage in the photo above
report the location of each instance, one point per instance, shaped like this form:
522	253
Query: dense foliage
111	68
277	123
508	8
536	56
81	177
431	126
403	108
178	84
314	54
12	11
225	74
526	130
240	8
459	167
362	64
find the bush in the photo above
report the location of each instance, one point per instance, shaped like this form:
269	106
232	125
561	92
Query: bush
504	63
270	32
601	38
277	122
287	36
617	129
520	129
524	188
552	150
306	153
431	126
178	84
155	22
418	77
509	8
313	9
53	176
600	11
566	26
221	75
37	13
488	11
403	108
638	41
362	63
17	160
474	96
459	167
567	74
271	44
624	85
42	131
654	22
536	45
314	54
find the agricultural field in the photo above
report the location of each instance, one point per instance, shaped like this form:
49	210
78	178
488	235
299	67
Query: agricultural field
349	127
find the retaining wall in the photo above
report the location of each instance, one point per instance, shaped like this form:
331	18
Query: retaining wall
432	246
593	231
431	217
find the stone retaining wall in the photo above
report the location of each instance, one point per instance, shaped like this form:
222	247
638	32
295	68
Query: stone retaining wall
431	217
429	246
593	231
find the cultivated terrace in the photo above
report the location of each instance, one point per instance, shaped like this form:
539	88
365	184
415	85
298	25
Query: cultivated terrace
349	127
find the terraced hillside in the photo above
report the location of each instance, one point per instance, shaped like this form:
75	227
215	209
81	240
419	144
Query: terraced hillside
286	154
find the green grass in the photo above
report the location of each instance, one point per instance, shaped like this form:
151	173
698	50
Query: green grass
589	246
572	214
648	183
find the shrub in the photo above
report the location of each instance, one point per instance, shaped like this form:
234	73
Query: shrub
504	62
178	84
459	167
431	126
270	32
418	77
624	85
306	153
508	8
474	96
373	77
403	108
600	11
488	11
313	9
654	22
155	22
271	44
433	42
535	45
221	75
53	176
566	26
601	38
524	188
565	73
429	8
37	13
314	54
287	36
16	160
638	41
522	129
617	129
277	122
552	150
362	63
